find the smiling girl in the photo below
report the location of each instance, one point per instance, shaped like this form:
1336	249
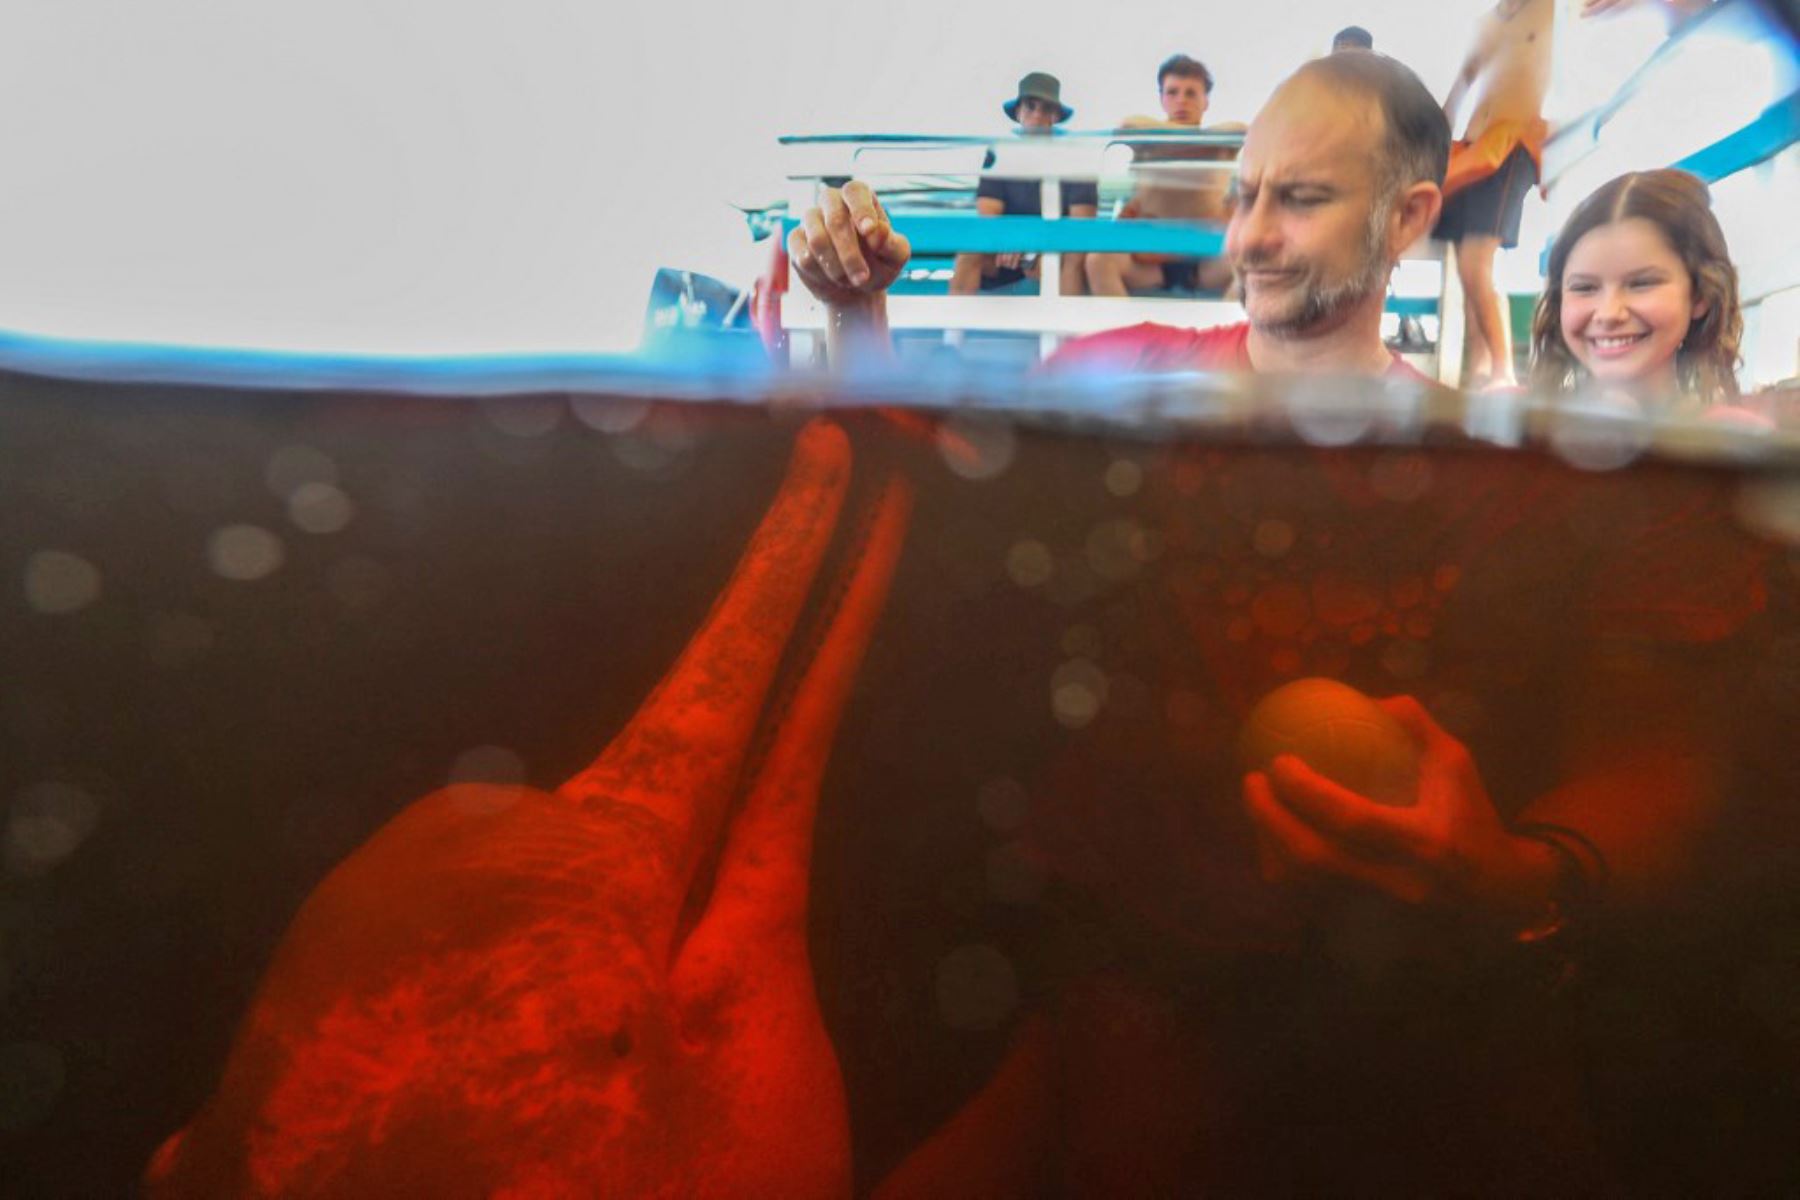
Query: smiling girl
1641	295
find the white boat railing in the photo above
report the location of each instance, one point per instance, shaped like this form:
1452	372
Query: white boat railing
1112	158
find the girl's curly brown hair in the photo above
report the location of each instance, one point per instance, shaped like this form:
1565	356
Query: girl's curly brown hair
1679	205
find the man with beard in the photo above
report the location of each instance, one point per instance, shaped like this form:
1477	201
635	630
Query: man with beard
1340	172
1330	994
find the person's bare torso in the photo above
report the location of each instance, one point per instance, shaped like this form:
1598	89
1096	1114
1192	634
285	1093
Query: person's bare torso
1512	57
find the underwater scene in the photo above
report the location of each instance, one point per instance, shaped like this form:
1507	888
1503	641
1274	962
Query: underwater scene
619	793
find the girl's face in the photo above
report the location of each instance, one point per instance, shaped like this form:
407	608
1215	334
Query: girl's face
1627	301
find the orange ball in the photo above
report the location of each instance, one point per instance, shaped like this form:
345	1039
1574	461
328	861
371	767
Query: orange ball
1338	732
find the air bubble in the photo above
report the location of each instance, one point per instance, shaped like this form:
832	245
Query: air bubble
609	414
1077	692
1124	477
57	582
977	448
1029	564
47	823
244	552
524	417
319	508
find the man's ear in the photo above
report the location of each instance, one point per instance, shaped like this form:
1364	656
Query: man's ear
1416	214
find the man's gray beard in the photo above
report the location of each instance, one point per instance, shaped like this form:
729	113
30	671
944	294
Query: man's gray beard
1319	304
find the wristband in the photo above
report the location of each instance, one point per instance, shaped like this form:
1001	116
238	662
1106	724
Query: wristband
1581	879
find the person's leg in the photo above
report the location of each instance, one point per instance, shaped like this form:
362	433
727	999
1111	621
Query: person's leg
965	280
1490	340
1074	274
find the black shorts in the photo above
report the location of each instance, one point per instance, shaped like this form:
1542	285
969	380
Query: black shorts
1182	275
1491	207
1002	277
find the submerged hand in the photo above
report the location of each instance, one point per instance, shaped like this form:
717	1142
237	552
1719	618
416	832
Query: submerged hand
1449	851
846	250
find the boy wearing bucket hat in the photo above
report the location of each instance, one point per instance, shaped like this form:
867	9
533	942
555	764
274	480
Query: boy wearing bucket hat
1037	109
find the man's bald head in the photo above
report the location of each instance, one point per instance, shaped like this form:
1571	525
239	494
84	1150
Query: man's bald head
1415	137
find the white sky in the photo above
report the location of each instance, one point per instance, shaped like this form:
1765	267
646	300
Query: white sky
447	175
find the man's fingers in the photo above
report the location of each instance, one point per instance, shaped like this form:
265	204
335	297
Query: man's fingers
1420	725
820	247
1289	848
880	241
865	212
1340	814
894	249
1260	800
1438	750
845	240
800	253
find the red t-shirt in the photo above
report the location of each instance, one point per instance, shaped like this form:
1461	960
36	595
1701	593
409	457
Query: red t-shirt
1152	347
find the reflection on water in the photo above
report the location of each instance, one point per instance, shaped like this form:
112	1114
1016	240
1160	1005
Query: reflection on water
541	797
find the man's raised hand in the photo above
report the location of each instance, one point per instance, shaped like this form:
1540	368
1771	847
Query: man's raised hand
846	250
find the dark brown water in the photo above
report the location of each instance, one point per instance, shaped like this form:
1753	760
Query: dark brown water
1027	950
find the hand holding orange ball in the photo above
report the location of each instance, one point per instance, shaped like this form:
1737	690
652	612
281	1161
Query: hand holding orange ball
1338	732
1306	756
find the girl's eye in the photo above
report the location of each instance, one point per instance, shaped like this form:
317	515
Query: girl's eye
1580	289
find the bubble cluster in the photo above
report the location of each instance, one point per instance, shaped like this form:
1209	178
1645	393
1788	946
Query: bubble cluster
319	508
244	552
46	823
58	582
977	988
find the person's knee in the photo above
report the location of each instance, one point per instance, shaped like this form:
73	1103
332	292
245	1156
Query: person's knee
1475	258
